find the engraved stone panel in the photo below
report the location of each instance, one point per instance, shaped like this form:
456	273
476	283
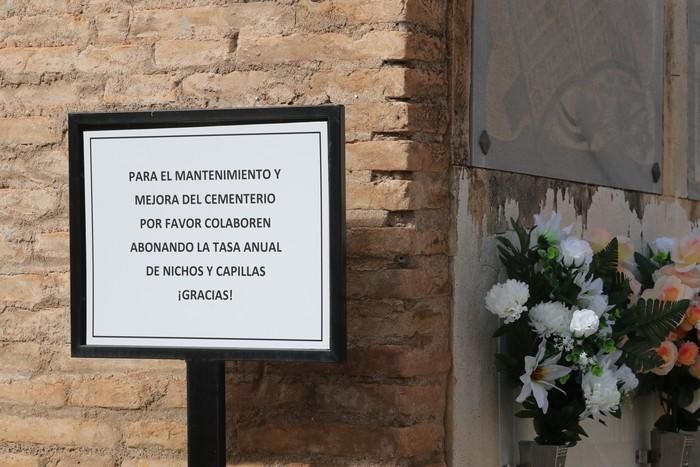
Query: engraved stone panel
569	89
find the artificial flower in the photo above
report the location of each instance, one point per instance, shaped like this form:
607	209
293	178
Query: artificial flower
575	252
601	394
540	376
550	229
663	245
599	238
591	295
686	253
694	369
551	318
689	277
669	353
668	288
584	323
687	354
635	285
626	376
508	300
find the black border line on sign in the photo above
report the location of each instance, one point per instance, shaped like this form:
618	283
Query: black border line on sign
78	123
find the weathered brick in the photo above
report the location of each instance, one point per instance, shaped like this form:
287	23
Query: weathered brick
85	461
28	130
112	27
399	283
53	245
154	463
376	45
58	431
120	58
37	169
419	441
27	289
266	394
393	155
27	205
141	89
18	460
58	94
167	435
183	53
116	392
395	241
43	30
22	325
51	59
381	399
239	88
359	85
64	363
42	392
19	358
174	396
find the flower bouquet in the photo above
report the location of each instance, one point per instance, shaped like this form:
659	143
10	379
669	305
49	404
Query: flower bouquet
574	333
671	272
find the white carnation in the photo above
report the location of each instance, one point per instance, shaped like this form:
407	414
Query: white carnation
584	323
508	300
575	252
626	376
601	394
551	318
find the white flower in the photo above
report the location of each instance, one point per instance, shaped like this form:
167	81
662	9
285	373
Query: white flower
575	252
540	377
591	295
550	229
508	300
601	394
551	318
663	245
626	376
584	323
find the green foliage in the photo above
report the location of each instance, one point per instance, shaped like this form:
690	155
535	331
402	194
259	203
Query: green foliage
604	262
651	319
646	270
638	354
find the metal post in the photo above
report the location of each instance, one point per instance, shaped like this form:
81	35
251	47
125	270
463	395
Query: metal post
206	427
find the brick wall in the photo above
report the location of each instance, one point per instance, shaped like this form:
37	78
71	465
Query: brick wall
386	61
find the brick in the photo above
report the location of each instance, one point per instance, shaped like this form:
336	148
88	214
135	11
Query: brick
51	59
85	461
59	94
58	431
424	281
19	358
429	13
337	439
141	89
381	399
366	218
314	15
154	463
395	241
27	205
11	254
34	392
184	53
212	22
397	362
43	30
244	396
376	45
121	58
53	245
116	392
163	434
398	327
18	460
13	60
64	363
36	169
238	88
112	27
27	289
28	130
22	325
393	155
363	85
175	395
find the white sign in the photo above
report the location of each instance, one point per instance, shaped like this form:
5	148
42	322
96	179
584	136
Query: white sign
214	237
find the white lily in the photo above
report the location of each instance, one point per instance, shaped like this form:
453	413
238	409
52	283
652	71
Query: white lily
540	376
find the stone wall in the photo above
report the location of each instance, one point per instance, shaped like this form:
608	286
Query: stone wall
385	60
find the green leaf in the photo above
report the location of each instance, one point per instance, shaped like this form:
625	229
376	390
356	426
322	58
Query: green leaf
638	354
604	262
652	319
505	329
646	270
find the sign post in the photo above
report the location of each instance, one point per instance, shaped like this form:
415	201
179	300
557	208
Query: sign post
208	236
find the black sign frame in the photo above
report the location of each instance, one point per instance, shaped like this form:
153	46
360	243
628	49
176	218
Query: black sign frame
78	123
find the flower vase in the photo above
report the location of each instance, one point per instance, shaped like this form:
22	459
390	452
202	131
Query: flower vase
671	449
538	455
